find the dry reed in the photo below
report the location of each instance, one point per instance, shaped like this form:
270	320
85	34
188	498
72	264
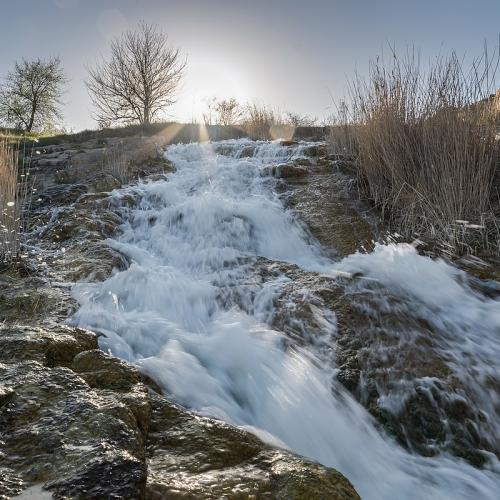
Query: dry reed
14	200
116	162
264	123
427	147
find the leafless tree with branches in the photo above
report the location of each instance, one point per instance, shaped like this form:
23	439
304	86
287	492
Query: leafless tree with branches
297	120
223	112
138	81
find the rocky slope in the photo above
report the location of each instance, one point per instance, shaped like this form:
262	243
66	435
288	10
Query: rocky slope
76	422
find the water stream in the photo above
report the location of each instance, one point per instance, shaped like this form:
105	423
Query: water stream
194	240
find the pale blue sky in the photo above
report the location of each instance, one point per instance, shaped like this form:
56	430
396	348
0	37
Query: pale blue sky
285	53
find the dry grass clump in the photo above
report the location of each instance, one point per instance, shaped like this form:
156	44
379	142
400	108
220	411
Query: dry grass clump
116	161
343	135
427	147
14	197
125	162
259	121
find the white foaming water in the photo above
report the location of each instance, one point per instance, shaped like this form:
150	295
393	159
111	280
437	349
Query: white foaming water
197	234
468	323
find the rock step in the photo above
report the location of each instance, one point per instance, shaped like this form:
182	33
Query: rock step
61	154
53	148
50	162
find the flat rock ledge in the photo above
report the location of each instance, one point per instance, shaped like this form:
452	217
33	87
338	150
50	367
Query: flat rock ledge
76	423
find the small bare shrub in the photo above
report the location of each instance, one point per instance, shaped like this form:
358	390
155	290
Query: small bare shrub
223	112
297	120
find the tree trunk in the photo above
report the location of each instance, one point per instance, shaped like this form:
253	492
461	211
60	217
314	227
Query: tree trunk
32	118
146	116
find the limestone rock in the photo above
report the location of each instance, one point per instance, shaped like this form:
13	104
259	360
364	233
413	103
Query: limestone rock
194	457
247	151
56	346
285	170
79	443
65	176
99	369
303	161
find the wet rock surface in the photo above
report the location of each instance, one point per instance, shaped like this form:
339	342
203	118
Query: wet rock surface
382	356
76	422
325	200
384	349
84	424
196	457
406	378
286	170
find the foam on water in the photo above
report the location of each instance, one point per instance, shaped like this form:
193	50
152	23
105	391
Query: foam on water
198	233
467	324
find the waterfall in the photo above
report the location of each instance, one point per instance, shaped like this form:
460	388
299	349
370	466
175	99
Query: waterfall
193	241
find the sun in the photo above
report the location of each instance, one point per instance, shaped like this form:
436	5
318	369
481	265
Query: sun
207	79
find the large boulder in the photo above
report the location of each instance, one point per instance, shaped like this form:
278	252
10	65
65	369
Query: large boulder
194	457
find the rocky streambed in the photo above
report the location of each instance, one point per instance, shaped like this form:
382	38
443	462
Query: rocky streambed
76	422
247	287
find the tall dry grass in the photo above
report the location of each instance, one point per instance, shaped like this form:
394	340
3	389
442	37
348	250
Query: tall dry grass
117	162
427	147
259	121
343	135
14	198
262	122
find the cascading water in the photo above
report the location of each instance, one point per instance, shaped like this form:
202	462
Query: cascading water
193	241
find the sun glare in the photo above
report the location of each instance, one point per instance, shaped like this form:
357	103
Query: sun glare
205	80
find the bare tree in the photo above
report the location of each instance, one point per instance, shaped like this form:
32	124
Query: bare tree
299	120
223	112
30	96
138	81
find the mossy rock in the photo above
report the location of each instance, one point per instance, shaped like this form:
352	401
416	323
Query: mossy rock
66	176
100	370
54	346
104	183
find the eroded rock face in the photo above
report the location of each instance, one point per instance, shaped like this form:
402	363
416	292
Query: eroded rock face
324	199
285	170
389	354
